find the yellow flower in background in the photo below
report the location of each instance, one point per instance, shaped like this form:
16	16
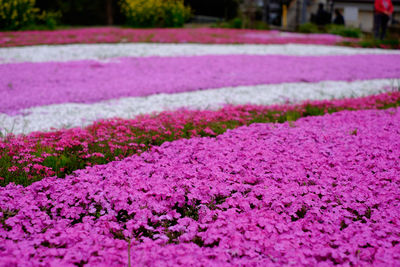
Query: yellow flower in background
15	14
155	13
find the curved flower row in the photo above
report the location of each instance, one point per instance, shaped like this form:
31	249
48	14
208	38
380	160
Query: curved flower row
302	193
69	115
25	85
62	53
26	159
199	35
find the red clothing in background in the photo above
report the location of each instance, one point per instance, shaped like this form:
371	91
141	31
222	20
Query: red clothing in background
384	7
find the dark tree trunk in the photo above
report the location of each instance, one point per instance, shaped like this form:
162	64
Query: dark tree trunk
110	19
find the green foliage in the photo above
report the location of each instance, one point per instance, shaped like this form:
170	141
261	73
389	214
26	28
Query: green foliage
16	14
238	23
369	42
308	28
343	31
155	13
260	25
23	15
331	28
388	43
49	19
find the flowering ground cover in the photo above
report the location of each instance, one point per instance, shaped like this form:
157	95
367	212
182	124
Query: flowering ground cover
198	35
42	118
302	193
69	115
220	175
25	159
103	52
25	85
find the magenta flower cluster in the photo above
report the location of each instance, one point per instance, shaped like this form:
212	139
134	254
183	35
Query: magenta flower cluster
199	35
301	194
25	85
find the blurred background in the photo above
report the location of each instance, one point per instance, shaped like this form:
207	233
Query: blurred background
291	15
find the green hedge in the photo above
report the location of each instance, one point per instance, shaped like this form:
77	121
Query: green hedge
332	29
344	31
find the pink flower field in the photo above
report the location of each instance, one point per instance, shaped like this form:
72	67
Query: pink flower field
28	158
32	84
198	35
272	157
269	194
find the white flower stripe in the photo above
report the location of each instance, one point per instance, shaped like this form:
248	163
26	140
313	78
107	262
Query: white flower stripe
104	52
71	115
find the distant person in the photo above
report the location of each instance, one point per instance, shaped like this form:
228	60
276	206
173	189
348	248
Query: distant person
322	17
339	20
383	11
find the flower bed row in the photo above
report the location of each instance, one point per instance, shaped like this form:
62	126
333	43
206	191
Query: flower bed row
320	191
69	115
26	159
198	35
26	85
63	53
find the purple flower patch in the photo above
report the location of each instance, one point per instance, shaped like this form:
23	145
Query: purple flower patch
319	191
25	85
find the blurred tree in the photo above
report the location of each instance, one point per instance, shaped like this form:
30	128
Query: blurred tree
227	9
84	12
